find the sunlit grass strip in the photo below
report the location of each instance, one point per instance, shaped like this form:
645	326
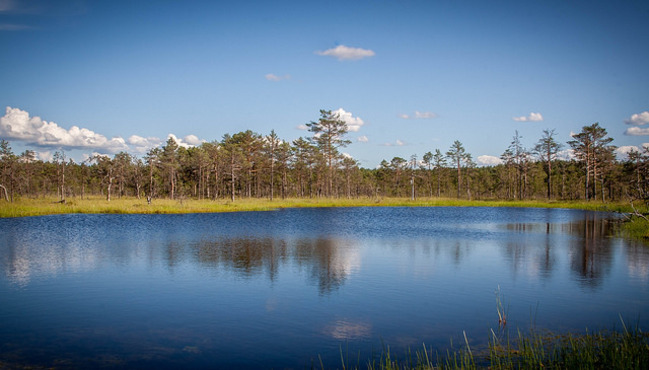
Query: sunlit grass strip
47	206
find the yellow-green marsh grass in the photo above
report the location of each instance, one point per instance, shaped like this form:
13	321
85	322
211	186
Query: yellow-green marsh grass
46	206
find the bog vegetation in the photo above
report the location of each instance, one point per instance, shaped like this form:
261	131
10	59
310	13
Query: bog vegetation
249	165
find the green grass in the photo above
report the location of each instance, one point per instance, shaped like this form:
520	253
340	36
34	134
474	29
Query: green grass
599	350
23	207
636	227
628	349
47	206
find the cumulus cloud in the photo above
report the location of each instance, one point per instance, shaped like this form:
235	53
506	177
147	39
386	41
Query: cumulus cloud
419	115
45	156
533	117
623	151
362	139
638	119
342	52
143	144
193	140
637	131
353	123
274	77
489	160
16	124
186	142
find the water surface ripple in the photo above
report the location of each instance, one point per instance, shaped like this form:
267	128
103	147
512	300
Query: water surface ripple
276	289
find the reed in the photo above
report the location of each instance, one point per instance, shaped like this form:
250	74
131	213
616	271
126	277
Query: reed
626	349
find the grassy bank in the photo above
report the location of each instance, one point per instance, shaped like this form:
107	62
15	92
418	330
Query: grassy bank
48	206
637	227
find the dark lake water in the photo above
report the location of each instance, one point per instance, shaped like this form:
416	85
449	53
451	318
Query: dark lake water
280	289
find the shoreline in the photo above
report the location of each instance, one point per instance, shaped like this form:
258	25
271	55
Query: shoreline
26	207
635	227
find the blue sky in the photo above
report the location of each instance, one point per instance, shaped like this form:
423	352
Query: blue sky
410	76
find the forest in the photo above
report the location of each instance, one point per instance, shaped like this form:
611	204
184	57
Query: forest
251	165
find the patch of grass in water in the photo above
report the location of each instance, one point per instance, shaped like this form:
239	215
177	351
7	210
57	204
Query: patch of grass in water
636	227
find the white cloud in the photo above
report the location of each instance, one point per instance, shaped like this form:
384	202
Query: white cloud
533	117
96	155
143	144
353	123
45	156
274	77
638	119
623	151
566	154
425	115
193	140
342	52
489	160
637	131
419	115
362	139
186	142
18	125
396	143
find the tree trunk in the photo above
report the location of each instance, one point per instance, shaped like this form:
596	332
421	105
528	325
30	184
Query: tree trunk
171	182
459	179
549	179
232	178
110	185
5	191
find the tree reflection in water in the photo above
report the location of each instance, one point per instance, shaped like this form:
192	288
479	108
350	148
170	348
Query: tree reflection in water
590	248
328	260
591	254
222	286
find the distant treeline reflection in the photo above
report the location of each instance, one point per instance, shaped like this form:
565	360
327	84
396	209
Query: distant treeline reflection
327	261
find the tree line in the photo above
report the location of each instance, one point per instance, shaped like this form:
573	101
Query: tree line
250	165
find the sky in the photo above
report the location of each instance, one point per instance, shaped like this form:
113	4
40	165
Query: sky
407	76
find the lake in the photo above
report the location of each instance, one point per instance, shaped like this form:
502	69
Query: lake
286	288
